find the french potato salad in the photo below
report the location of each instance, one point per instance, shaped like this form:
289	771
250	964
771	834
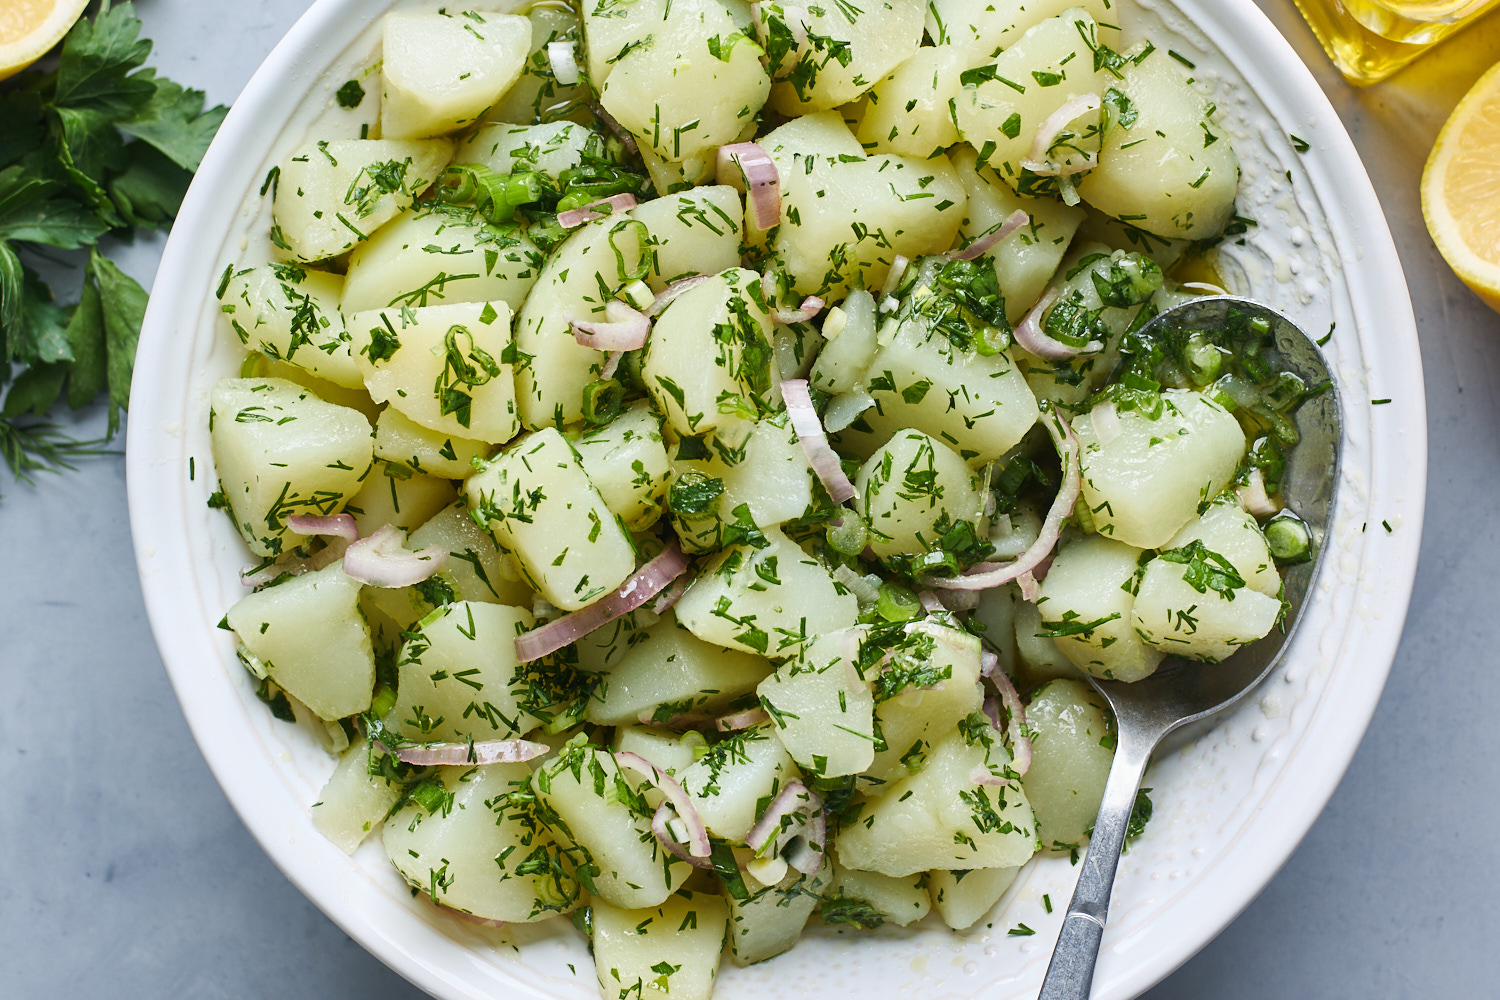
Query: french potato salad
695	450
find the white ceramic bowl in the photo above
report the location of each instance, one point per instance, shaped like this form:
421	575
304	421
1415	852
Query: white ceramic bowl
1231	803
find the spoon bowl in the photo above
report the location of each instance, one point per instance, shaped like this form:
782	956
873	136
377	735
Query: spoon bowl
1182	692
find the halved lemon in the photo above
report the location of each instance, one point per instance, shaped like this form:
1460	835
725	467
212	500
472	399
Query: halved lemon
29	28
1461	189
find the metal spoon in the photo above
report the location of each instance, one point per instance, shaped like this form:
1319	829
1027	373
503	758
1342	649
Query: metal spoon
1181	692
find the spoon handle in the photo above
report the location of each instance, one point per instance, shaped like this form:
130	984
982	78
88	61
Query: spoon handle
1071	973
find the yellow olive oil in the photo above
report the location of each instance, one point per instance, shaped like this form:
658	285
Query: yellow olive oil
1368	40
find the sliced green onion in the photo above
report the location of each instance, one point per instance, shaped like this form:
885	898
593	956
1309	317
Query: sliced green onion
1289	539
850	536
383	700
897	603
603	400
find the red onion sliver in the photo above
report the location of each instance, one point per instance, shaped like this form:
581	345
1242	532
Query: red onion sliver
562	58
1030	336
1020	734
1053	126
574	217
795	798
666	295
341	525
810	307
989	661
611	364
930	601
382	560
615	127
987	575
741	720
659	820
989	240
623	329
491	752
1030	590
252	577
698	845
982	775
669	597
646	583
760	176
814	442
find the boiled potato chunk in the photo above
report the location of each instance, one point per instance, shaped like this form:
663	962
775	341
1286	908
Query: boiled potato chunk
401	441
770	920
552	368
908	111
353	802
694	232
869	899
309	635
709	355
982	29
440	72
332	195
279	451
1227	529
915	490
927	684
395	495
1085	607
767	599
611	30
849	344
548	148
1194	620
1072	750
732	783
671	751
627	463
1038	657
538	502
465	853
940	818
456	670
672	949
291	314
692	83
440	254
1172	172
537	91
822	706
671	673
585	810
477	569
962	897
1144	483
832	54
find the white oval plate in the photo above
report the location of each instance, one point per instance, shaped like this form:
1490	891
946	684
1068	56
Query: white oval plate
1231	803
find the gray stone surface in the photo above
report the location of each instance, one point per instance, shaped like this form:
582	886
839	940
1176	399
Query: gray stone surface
126	873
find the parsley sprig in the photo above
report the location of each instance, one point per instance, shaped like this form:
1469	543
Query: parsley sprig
97	145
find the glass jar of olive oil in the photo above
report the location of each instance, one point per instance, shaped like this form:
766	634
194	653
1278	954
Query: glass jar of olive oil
1368	40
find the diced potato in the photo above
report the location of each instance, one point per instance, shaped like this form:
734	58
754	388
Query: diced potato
836	52
731	784
766	599
440	72
477	568
909	111
604	647
940	818
627	463
259	366
440	254
548	148
291	314
538	502
690	83
537	91
450	377
982	29
309	636
395	495
695	232
279	450
332	195
672	949
465	853
822	706
552	368
915	490
710	353
1227	529
401	441
456	670
1026	260
1172	171
869	899
926	685
671	751
770	920
962	897
1038	658
610	29
353	802
1052	63
673	673
1199	622
848	344
1072	750
671	177
1145	483
1087	598
585	809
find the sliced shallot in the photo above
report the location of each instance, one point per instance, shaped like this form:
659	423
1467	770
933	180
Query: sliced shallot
661	826
1253	496
697	838
761	179
822	458
1030	336
623	329
341	525
666	295
897	272
1040	161
382	560
562	57
988	241
648	581
491	752
987	575
810	307
794	799
747	719
1020	733
575	217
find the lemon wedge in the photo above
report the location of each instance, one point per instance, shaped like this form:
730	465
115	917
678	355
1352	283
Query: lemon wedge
29	28
1461	189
